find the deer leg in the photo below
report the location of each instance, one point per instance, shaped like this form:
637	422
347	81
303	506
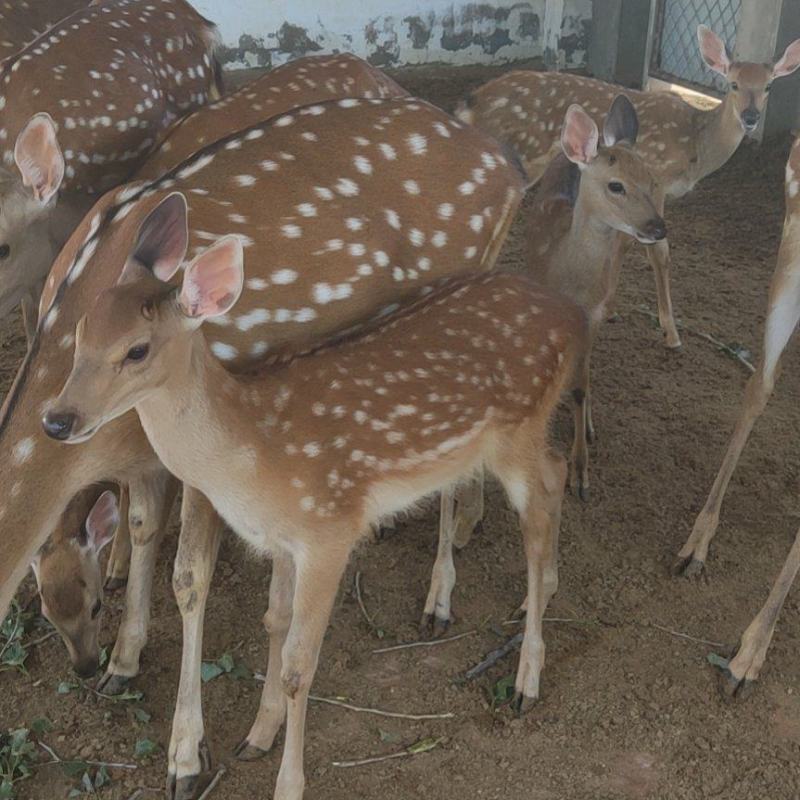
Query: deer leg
318	574
579	477
132	635
658	254
782	319
436	616
149	494
537	497
120	559
736	681
468	510
189	759
272	710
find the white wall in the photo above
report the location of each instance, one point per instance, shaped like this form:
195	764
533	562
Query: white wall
395	32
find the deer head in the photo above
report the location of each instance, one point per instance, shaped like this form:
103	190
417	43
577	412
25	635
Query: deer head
614	181
748	82
70	583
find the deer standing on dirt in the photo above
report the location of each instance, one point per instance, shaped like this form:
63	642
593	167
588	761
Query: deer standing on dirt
345	74
21	21
585	202
302	458
681	144
783	313
344	209
80	109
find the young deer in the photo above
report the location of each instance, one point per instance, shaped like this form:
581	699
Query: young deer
21	21
313	79
71	128
681	144
585	202
303	457
403	194
783	313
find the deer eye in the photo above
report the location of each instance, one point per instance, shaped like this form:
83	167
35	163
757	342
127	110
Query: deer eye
138	353
615	187
96	608
5	251
735	86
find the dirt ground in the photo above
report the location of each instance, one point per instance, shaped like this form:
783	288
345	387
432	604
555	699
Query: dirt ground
629	711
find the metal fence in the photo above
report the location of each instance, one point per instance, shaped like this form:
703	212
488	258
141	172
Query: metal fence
676	57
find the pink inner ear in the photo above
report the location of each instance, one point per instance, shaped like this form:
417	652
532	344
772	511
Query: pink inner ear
39	158
712	48
579	136
212	283
102	522
789	62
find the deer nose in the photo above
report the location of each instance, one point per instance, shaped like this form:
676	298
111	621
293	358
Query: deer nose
656	229
59	425
750	118
86	667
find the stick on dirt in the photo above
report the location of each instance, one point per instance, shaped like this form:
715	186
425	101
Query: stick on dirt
510	646
431	643
216	779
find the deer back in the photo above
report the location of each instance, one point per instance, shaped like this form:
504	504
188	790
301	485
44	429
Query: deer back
304	81
21	21
112	77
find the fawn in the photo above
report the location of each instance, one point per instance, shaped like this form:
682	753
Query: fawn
302	457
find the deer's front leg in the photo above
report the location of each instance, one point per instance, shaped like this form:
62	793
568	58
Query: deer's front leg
132	635
658	254
318	573
189	760
119	561
437	615
272	710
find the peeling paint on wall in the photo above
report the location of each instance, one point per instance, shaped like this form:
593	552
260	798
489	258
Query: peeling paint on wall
258	33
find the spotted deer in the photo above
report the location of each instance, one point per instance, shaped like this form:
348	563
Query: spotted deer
783	313
344	209
317	78
680	143
587	199
72	127
313	79
21	21
301	458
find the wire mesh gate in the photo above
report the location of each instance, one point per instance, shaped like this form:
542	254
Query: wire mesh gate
676	57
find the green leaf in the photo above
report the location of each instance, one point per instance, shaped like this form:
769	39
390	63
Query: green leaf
41	725
74	768
424	745
86	782
6	789
718	661
209	671
103	656
389	737
141	715
66	688
101	778
75	793
226	662
503	691
15	655
144	748
241	672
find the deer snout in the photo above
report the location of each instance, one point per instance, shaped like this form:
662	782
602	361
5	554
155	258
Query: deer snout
655	229
750	118
86	666
59	424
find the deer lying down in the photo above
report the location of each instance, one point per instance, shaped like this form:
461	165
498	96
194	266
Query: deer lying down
680	143
586	202
22	21
80	109
301	458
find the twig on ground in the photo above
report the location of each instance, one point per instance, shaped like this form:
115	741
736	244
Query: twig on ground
378	712
431	643
682	635
11	637
554	619
370	621
42	639
425	746
496	655
58	760
718	343
211	786
137	795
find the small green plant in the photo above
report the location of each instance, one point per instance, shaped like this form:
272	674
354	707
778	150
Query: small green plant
12	652
503	691
17	759
91	778
144	748
226	665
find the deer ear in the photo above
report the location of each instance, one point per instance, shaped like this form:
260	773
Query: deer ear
39	158
163	237
622	123
579	136
102	522
790	61
713	50
213	282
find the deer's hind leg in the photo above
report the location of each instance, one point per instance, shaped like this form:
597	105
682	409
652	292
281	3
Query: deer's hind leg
119	561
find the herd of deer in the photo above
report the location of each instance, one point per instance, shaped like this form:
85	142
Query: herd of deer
285	300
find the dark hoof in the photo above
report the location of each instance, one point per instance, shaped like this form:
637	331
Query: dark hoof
689	567
115	584
113	684
674	348
583	493
614	318
522	704
189	788
432	626
591	435
732	688
248	752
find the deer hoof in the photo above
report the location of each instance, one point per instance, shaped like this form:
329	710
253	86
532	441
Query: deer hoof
673	344
248	752
689	567
432	626
115	584
190	787
113	685
522	704
733	689
583	493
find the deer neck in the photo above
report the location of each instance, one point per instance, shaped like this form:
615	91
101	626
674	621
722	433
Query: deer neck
719	133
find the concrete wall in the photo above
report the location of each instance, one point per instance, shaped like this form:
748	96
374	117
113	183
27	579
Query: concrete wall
264	32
